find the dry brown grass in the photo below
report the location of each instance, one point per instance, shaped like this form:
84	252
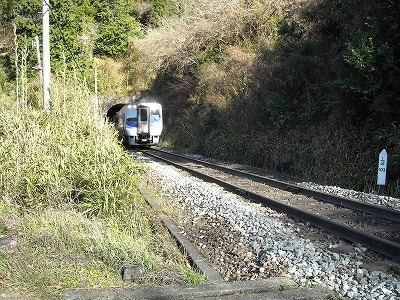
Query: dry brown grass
180	39
228	79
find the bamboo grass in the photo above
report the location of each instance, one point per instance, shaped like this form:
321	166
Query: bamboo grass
69	200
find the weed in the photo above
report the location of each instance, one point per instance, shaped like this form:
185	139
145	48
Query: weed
69	199
193	277
288	287
336	297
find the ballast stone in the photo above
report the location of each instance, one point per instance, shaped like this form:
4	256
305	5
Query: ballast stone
251	219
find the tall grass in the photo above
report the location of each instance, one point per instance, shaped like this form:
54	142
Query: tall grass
70	155
69	199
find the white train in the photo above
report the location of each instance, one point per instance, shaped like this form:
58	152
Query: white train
139	123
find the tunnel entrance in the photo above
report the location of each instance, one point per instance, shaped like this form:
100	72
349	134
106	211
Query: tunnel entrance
113	110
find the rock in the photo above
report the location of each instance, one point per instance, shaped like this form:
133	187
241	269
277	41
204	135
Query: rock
131	272
6	241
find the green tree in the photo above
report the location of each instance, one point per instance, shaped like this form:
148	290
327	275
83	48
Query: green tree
25	18
67	20
24	14
117	25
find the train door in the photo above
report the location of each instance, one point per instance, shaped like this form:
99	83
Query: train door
143	123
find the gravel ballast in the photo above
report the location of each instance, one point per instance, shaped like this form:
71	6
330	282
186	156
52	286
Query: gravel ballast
388	202
246	241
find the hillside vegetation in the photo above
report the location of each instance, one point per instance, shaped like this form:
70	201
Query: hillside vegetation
309	88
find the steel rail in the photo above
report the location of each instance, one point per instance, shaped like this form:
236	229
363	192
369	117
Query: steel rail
380	245
383	212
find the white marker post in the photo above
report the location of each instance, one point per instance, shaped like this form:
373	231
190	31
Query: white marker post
382	167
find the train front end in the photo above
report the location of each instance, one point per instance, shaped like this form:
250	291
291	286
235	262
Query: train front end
144	124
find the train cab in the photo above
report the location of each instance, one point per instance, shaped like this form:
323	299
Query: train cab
140	123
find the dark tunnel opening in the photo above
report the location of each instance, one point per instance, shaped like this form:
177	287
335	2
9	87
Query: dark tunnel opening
113	110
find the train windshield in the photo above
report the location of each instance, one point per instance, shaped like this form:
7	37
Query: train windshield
131	118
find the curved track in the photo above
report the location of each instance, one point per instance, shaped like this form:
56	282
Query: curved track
377	228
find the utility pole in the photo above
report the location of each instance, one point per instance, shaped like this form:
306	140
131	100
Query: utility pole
46	54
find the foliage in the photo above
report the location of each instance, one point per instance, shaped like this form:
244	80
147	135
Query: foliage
70	37
116	27
24	14
290	27
277	109
160	10
212	52
369	62
23	18
75	158
68	197
314	78
324	64
67	25
61	249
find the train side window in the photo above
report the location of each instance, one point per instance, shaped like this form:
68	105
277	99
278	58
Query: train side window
155	113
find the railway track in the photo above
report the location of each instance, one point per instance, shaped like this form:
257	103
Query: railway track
376	227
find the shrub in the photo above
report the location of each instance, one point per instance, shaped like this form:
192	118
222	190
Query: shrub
116	27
